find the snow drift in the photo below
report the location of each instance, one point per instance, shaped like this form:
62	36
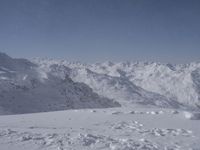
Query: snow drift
192	115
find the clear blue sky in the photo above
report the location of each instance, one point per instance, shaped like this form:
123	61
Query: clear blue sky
99	30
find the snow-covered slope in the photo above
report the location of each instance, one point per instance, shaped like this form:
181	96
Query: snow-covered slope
25	88
144	83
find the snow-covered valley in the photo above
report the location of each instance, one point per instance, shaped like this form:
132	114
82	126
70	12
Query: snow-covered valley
48	104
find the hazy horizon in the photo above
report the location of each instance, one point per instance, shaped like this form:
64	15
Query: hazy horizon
97	31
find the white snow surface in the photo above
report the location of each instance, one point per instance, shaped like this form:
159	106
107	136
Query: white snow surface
122	128
192	115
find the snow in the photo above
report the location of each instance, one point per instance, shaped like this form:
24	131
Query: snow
48	104
26	88
155	84
100	129
192	115
3	78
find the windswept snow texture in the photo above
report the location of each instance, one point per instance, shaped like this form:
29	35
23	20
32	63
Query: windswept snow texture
25	88
100	129
152	84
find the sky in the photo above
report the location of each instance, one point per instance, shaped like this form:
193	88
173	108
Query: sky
100	30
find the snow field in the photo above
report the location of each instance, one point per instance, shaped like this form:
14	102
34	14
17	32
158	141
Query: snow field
100	129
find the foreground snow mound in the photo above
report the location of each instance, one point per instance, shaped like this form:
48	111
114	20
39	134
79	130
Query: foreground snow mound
192	115
176	86
25	88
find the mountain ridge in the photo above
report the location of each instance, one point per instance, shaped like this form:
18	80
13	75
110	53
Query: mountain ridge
178	84
26	88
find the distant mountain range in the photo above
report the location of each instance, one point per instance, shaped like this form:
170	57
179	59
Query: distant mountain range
133	83
41	85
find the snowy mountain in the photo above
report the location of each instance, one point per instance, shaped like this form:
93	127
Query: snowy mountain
48	85
140	88
147	83
25	88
